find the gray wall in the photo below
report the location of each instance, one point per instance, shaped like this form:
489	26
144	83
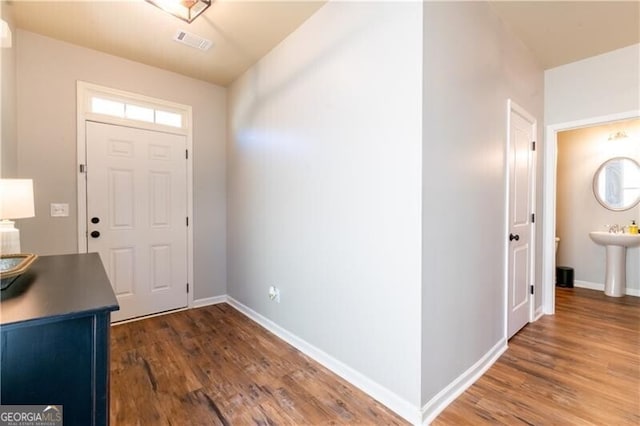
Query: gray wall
292	162
580	153
472	65
47	74
324	188
8	133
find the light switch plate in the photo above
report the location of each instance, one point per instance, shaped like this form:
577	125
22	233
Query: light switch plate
59	210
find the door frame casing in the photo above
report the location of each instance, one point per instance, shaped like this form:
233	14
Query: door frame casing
513	106
550	186
83	94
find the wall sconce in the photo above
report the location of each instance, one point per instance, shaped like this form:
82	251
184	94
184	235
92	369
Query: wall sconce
16	201
187	10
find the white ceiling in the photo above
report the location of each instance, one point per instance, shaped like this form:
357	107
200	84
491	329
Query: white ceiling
560	32
557	32
242	31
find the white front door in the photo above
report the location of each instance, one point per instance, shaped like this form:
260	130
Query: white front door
136	215
522	131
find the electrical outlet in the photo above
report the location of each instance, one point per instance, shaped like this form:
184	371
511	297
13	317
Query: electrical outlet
274	294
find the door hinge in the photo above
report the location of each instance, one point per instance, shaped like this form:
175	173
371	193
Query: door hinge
83	168
533	218
187	220
187	287
186	154
533	145
531	289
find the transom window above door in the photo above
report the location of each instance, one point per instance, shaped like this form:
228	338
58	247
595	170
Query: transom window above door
137	112
108	105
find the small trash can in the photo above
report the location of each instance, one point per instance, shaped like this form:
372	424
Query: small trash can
564	276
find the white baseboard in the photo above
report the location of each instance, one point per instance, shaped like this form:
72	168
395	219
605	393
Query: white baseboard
403	408
600	287
199	303
446	396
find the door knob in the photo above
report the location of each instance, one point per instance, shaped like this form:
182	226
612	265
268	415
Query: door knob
514	237
95	220
95	234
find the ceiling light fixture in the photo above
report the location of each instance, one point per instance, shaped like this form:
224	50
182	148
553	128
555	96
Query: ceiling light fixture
187	10
618	135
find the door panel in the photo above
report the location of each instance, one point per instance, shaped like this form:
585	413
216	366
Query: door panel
160	199
136	188
520	271
160	267
121	264
121	195
521	182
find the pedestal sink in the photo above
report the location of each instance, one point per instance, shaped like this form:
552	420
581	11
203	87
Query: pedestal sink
616	245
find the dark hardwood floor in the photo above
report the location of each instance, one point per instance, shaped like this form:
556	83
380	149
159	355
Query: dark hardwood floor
578	367
213	366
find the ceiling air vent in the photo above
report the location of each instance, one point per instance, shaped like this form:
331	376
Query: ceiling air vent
192	40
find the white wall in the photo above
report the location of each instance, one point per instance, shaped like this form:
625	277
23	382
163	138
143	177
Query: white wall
594	87
472	65
580	153
46	108
8	127
324	188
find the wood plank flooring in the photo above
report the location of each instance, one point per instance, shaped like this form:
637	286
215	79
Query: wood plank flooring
213	366
579	367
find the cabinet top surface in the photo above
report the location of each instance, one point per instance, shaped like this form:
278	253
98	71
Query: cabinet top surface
58	286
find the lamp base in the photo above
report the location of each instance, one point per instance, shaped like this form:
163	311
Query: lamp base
9	238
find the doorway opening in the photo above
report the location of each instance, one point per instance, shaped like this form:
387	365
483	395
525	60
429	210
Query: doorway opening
550	197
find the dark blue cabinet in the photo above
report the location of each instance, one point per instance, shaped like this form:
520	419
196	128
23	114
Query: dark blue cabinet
54	345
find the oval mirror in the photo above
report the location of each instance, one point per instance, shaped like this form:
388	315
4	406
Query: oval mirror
616	184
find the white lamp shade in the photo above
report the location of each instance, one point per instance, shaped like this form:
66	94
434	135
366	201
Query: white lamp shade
16	198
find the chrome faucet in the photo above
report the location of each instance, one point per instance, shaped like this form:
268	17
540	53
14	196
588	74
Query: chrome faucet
615	229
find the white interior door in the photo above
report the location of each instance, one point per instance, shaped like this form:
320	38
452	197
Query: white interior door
136	215
522	130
